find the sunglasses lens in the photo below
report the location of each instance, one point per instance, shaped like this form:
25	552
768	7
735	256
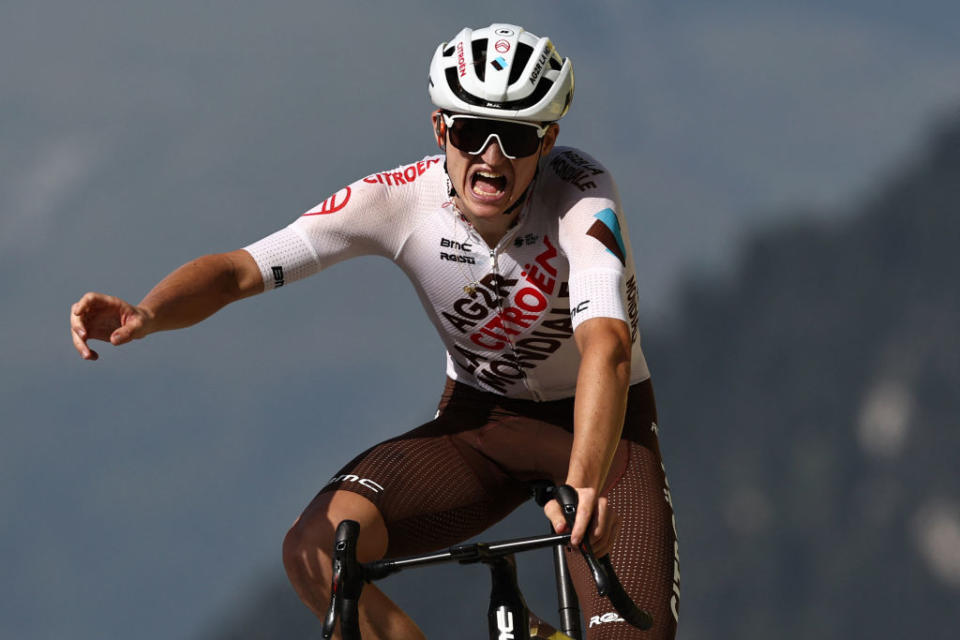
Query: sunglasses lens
516	140
468	135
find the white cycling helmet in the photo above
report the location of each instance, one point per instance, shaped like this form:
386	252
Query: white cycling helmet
501	71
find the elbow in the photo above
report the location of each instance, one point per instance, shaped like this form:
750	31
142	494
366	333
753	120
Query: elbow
242	275
620	362
607	342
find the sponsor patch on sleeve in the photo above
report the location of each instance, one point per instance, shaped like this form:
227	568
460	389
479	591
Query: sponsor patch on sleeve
607	230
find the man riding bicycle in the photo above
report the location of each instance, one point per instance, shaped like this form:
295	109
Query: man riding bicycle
519	252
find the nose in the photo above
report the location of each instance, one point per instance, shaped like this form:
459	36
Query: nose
492	151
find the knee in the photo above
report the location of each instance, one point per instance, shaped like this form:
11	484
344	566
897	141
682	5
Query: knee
308	545
307	552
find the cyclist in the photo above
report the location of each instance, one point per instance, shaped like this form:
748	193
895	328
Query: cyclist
519	253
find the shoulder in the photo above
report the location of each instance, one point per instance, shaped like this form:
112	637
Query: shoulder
575	186
387	192
580	171
430	168
583	196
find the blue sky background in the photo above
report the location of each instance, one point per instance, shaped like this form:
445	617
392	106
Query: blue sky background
142	494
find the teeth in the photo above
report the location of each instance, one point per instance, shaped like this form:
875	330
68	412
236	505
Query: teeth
488	190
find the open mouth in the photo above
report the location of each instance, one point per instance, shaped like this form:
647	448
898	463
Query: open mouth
488	185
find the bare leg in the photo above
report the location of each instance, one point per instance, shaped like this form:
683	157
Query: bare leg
307	558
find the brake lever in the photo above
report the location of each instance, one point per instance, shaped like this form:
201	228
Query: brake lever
346	583
568	499
602	569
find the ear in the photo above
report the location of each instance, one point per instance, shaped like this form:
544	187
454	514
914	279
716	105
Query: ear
439	129
550	138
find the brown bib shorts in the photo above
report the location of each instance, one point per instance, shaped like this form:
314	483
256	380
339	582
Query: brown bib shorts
449	479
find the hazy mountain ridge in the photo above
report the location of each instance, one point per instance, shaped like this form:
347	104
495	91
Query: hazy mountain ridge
809	404
809	420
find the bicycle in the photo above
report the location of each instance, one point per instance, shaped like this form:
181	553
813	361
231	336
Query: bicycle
507	615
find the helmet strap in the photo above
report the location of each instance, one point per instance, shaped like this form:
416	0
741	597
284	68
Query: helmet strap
529	188
523	196
453	192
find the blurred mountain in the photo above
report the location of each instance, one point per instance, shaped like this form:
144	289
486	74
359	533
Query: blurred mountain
809	421
810	411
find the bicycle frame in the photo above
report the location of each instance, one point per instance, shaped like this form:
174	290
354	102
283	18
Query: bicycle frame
507	614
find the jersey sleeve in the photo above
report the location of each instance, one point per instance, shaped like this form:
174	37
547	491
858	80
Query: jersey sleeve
360	219
593	236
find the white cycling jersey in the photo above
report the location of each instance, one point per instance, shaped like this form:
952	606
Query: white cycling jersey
506	314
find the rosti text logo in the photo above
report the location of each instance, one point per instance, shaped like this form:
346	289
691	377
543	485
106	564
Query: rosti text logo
456	257
403	175
334	203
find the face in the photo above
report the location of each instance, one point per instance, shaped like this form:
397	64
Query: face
489	182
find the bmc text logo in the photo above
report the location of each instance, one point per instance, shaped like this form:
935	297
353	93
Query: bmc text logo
364	482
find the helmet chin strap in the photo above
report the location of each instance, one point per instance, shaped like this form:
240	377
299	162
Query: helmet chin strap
523	196
526	191
453	191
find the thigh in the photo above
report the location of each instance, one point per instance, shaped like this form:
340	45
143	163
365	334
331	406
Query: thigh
644	554
431	489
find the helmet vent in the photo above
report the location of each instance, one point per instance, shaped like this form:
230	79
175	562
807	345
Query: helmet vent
519	61
480	57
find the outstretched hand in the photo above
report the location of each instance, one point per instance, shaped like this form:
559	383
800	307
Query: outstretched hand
594	517
97	316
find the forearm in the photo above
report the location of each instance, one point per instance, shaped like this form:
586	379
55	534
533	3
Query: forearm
599	408
200	288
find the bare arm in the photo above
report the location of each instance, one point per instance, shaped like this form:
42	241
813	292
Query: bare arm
599	409
200	288
190	294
